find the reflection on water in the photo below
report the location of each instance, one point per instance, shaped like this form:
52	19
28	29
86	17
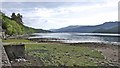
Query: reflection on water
80	37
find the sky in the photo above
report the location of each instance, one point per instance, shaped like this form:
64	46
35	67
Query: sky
54	15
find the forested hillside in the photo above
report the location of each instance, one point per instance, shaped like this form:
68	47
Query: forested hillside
14	25
107	27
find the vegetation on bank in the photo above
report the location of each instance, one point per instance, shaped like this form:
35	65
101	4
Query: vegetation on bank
16	41
14	25
64	54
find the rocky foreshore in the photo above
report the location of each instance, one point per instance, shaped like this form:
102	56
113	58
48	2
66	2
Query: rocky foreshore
59	40
111	51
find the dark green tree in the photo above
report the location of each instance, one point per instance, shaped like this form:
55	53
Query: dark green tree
19	18
13	16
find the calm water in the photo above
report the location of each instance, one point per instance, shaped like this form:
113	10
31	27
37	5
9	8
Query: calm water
80	37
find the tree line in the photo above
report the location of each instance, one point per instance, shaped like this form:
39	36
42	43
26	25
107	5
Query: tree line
17	18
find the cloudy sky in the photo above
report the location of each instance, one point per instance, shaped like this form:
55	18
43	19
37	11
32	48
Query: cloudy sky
53	15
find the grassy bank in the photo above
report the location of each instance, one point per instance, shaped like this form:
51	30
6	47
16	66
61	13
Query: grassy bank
63	54
16	41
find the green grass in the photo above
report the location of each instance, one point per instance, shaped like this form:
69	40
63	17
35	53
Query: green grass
16	41
63	54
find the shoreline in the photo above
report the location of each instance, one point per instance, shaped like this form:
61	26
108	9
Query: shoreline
58	40
108	50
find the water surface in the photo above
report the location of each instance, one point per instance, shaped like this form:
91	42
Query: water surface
80	37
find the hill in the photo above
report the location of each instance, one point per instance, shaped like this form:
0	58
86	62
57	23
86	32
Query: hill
111	30
107	27
14	25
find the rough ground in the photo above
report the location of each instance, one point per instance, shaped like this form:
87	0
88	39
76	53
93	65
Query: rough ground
30	61
110	51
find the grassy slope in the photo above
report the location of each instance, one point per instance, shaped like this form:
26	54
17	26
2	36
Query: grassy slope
14	28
